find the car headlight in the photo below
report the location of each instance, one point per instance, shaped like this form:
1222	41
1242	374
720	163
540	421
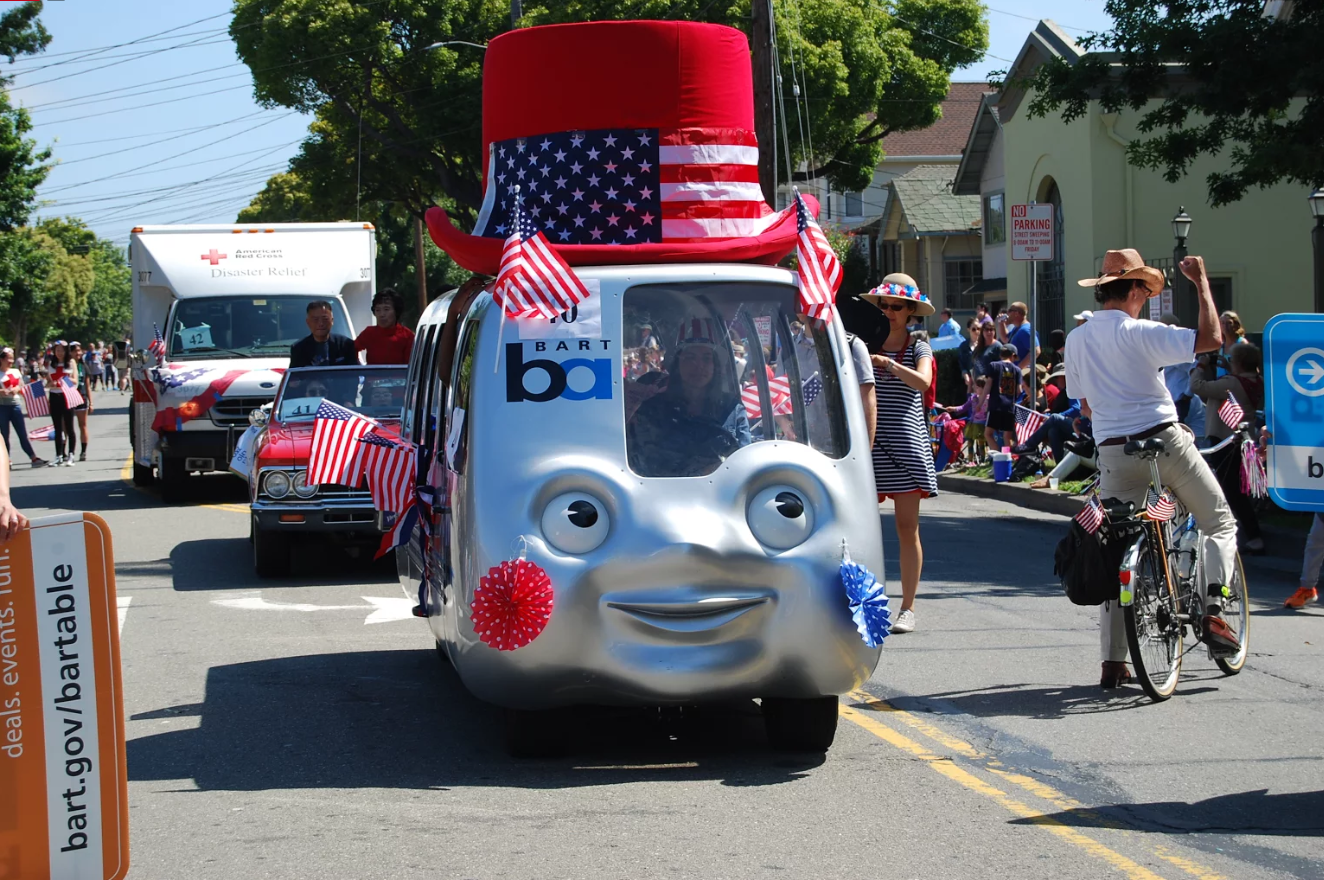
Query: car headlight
780	517
301	487
575	523
276	484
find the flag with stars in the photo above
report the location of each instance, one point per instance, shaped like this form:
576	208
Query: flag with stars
1027	422
817	266
813	388
34	395
335	456
157	348
1232	414
533	279
628	186
1159	507
1091	516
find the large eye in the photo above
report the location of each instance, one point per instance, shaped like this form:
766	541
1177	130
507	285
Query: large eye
780	517
575	523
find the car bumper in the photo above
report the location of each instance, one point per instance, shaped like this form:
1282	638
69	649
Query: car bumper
317	516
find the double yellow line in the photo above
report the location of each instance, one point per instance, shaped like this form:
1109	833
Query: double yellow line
872	714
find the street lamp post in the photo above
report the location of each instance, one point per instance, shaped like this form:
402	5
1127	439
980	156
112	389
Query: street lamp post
1182	302
1317	239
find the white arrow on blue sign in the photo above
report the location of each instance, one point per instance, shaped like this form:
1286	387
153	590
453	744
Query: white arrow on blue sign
1294	409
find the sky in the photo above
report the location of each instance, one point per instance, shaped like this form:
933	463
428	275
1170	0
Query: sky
152	118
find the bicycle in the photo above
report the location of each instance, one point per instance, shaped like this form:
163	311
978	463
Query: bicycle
1161	575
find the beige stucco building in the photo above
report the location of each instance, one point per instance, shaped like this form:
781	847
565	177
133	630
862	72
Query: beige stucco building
1258	250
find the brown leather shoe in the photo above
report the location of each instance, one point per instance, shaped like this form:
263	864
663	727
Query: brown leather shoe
1219	636
1115	674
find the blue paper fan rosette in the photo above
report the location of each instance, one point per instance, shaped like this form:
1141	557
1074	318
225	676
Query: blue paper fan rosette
868	603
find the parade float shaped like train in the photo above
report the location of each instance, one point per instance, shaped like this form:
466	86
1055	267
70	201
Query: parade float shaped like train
663	496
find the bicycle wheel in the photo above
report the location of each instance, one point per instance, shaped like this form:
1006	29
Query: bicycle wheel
1153	630
1236	611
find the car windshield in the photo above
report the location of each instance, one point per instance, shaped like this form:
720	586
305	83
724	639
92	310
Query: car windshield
711	367
376	392
244	326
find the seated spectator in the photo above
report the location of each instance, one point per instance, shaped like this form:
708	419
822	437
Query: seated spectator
1059	421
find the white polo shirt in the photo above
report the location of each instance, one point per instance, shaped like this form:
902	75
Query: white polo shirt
1115	362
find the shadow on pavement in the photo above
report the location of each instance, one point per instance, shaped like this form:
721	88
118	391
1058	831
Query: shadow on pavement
1043	703
227	564
1298	814
402	719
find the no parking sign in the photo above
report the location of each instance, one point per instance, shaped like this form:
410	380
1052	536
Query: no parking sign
1294	409
63	780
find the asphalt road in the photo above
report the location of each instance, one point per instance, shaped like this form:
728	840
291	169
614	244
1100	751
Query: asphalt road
307	729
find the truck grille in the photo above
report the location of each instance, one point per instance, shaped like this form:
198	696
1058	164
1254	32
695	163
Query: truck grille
230	411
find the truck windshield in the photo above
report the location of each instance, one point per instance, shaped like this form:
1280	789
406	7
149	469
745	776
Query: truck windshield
714	366
243	326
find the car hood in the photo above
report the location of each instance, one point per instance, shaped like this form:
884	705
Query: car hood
289	444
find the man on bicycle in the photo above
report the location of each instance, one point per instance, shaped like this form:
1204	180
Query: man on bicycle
1114	366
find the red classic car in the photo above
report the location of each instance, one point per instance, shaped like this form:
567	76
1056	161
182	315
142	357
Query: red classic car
283	505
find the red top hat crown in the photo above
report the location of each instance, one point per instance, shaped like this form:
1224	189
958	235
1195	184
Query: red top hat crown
625	142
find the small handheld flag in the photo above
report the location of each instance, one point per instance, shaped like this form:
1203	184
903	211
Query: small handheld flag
72	398
157	348
1232	414
34	395
1159	508
334	456
533	279
1091	516
391	465
1027	422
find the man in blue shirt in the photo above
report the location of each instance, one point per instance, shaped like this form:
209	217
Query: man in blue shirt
1014	328
948	327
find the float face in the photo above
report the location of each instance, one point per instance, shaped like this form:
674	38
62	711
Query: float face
691	557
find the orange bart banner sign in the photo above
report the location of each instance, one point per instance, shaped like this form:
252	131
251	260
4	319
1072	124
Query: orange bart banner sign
64	810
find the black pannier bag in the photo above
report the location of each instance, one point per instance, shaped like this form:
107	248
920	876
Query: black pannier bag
1088	564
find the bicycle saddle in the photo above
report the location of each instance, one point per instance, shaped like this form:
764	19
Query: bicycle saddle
1117	509
1141	447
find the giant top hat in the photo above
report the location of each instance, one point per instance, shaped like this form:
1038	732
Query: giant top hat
626	142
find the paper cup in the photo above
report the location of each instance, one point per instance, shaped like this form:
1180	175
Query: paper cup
1052	482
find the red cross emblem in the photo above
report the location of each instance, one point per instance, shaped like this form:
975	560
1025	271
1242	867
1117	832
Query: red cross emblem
213	257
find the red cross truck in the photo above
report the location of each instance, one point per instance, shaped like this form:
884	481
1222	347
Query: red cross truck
228	302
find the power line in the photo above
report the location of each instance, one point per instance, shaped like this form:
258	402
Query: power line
123	60
88	53
193	149
157	170
129	137
151	86
143	106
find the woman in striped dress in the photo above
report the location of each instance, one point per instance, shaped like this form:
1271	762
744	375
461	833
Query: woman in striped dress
902	452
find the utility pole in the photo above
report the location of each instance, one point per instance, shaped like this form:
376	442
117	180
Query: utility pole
764	120
420	266
515	13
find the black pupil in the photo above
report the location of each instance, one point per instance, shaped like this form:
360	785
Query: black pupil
789	505
583	514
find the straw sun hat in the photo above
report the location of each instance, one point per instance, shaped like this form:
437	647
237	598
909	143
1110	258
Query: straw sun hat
899	287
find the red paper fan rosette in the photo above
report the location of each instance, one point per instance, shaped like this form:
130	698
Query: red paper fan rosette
512	604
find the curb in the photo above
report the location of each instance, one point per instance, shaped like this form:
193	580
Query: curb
1045	500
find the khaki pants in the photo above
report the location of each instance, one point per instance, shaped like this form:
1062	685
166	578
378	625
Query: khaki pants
1185	474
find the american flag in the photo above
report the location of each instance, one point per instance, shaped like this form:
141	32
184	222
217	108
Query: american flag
71	396
157	348
46	433
334	455
391	465
779	390
818	268
34	395
1160	508
1091	516
813	388
1232	414
533	279
1027	422
629	186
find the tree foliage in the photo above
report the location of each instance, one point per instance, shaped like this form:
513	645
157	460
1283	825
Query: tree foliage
21	32
1230	80
23	166
867	72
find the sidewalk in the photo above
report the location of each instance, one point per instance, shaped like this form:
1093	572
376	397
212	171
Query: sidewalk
1045	500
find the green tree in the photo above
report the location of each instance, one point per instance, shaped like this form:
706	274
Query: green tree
867	72
1228	80
21	33
23	166
46	284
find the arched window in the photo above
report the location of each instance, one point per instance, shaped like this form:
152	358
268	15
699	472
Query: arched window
1052	273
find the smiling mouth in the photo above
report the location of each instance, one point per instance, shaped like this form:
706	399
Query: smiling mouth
709	612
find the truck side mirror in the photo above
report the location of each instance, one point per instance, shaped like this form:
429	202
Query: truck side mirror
258	418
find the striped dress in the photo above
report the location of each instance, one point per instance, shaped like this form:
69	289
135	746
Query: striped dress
902	452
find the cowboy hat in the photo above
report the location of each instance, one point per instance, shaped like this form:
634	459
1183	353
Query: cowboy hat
901	287
1126	264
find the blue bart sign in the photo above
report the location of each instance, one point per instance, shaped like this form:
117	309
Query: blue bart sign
1294	409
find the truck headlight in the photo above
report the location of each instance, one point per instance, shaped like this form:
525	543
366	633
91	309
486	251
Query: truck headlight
301	487
276	484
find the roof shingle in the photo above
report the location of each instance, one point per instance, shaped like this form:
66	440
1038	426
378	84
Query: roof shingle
948	135
924	194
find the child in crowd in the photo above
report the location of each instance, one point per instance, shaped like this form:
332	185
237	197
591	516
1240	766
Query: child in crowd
1004	389
975	413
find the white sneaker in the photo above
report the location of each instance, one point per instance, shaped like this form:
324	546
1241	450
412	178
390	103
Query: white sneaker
905	622
69	461
59	460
